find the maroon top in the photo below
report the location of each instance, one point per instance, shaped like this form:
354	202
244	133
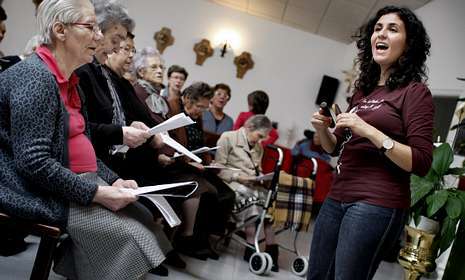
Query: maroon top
364	173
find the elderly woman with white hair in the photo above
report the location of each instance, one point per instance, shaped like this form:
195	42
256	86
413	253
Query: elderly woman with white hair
108	124
49	170
241	149
149	68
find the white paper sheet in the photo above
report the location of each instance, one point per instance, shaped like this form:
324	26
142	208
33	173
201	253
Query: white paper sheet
197	151
174	122
265	177
149	189
221	167
178	147
165	209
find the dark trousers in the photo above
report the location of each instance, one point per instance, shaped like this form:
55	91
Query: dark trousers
349	239
215	209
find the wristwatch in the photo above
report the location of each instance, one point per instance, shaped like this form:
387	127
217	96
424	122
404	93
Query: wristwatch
388	144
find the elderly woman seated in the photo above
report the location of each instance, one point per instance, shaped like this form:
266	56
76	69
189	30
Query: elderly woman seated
50	172
241	149
149	69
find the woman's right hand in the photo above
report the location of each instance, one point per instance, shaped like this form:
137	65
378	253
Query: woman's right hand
165	160
321	124
319	121
113	198
246	180
134	137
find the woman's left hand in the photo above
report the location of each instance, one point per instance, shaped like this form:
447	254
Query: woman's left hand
129	184
197	165
355	123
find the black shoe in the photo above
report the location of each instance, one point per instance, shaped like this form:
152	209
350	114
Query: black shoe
188	246
159	270
248	253
205	247
10	247
173	259
273	250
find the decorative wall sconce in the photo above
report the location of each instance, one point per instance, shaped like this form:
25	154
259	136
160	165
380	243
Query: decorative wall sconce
243	63
226	40
203	50
163	38
224	49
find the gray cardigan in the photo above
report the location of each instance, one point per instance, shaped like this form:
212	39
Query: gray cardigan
35	182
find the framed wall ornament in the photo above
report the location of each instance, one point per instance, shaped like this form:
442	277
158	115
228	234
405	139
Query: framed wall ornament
163	39
243	64
203	50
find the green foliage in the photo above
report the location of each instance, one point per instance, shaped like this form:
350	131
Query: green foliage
431	197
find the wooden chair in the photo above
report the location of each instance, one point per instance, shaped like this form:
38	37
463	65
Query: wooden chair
49	237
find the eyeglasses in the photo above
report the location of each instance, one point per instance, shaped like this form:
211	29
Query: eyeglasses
91	26
222	94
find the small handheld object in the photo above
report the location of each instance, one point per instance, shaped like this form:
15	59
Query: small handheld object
328	112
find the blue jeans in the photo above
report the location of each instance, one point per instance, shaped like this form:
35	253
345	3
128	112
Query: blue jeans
349	239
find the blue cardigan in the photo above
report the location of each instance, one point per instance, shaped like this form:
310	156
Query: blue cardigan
209	123
35	182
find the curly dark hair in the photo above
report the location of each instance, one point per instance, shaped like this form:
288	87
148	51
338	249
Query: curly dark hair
3	15
411	64
259	101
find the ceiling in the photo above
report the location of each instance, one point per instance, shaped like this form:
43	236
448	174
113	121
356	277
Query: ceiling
334	19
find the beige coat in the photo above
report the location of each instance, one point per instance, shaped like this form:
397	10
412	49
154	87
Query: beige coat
234	152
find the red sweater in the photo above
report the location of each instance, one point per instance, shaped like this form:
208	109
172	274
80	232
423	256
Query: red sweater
80	150
366	174
244	116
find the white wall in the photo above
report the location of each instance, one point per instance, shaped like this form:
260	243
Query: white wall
445	22
20	25
289	63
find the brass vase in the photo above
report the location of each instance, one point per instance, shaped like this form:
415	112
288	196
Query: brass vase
418	255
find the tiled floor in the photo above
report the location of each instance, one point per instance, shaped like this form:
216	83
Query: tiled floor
230	266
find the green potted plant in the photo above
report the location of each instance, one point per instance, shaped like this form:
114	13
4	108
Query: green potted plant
433	197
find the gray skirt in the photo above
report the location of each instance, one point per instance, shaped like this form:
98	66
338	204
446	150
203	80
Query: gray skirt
248	204
110	245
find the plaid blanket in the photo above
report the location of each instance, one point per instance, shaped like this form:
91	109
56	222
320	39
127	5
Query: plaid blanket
293	204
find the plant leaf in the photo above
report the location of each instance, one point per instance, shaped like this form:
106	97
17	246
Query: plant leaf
435	202
417	214
454	207
456	171
442	159
420	187
447	233
461	196
432	176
